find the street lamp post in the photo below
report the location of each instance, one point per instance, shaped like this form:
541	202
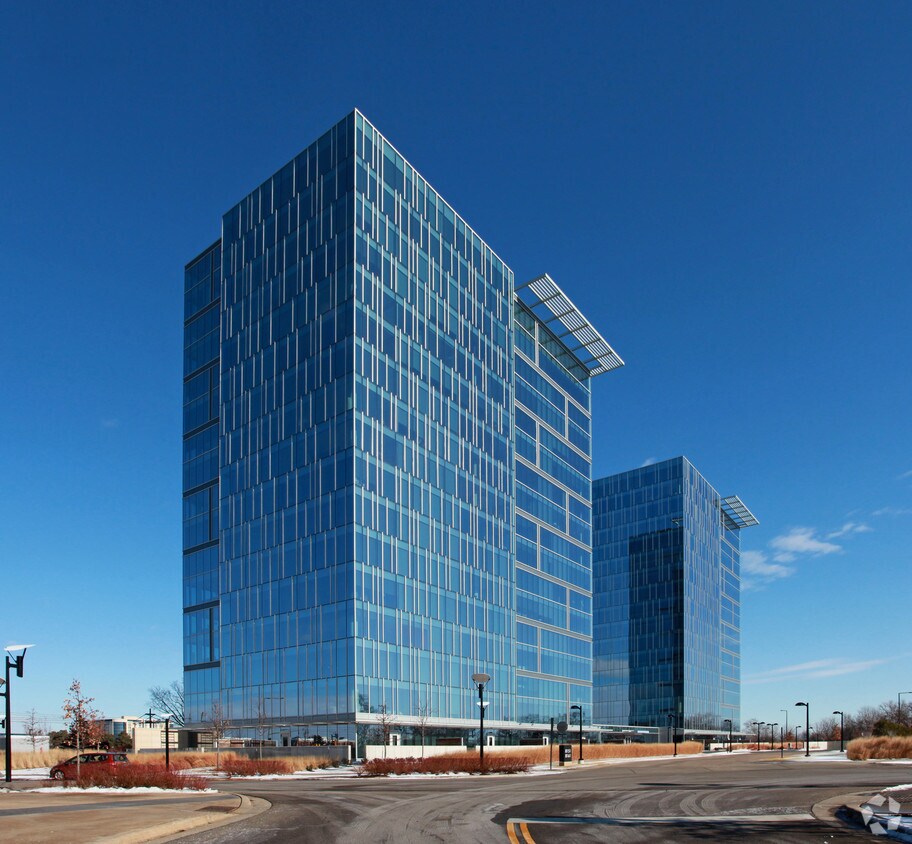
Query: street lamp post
759	725
480	680
899	706
786	720
773	734
580	708
551	747
17	663
807	726
841	729
729	722
673	722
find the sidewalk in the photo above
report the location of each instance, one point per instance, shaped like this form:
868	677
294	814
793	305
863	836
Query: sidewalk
121	818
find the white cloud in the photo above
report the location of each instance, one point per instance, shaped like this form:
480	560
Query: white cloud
648	462
814	670
893	511
800	540
905	475
849	528
757	570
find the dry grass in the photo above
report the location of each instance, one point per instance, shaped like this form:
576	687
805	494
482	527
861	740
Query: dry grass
232	763
311	763
181	760
38	758
539	754
882	747
257	767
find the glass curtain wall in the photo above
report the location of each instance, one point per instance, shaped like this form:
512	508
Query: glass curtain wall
639	593
731	623
200	483
667	600
433	469
287	505
702	588
553	527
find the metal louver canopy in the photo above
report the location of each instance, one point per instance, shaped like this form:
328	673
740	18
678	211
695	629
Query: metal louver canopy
552	306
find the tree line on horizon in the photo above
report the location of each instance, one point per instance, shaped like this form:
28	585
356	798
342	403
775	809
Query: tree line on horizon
890	718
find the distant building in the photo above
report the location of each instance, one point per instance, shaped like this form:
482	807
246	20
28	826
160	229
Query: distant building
667	599
124	724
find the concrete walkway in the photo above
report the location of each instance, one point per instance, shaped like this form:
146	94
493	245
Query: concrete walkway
80	818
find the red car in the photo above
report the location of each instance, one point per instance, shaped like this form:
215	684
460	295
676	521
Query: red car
87	762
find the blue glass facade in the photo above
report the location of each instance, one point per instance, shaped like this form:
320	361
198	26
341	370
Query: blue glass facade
366	410
553	526
200	484
667	599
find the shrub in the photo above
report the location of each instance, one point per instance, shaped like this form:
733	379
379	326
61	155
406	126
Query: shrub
883	747
257	767
139	776
463	763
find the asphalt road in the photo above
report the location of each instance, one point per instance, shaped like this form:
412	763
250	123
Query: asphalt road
720	798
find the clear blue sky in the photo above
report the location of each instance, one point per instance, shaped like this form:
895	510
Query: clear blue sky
723	188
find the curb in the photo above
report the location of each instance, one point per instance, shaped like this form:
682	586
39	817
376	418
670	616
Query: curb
247	807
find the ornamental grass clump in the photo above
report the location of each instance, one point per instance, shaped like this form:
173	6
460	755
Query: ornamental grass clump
257	767
880	747
540	754
181	760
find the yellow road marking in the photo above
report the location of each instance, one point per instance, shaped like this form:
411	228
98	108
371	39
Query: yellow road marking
511	834
526	834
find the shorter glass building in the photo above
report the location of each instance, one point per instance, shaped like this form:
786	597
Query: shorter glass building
666	599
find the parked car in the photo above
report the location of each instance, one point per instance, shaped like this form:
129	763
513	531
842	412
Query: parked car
87	762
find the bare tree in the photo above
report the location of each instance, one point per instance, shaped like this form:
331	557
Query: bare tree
169	700
35	727
826	729
218	723
423	714
261	724
386	722
83	719
862	722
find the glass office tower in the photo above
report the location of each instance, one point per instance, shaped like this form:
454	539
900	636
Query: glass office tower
554	501
667	599
367	471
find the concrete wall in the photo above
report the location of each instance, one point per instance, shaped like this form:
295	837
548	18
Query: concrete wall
407	751
152	738
23	744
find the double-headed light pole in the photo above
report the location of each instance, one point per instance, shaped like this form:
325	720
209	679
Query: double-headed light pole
807	726
729	722
480	680
580	708
841	715
17	663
